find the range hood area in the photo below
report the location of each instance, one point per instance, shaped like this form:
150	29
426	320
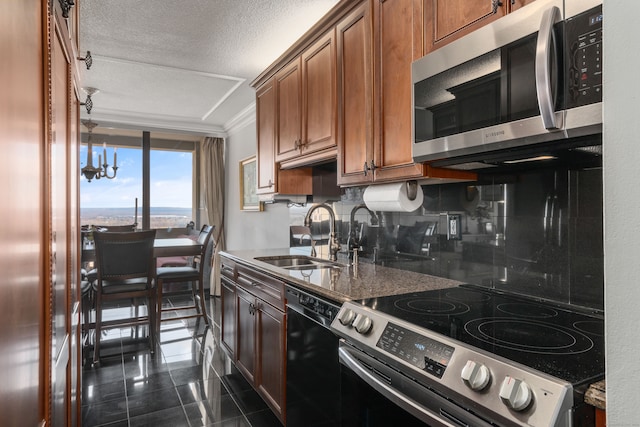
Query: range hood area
318	183
312	184
581	152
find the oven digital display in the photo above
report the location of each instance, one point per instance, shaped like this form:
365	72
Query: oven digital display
423	352
596	19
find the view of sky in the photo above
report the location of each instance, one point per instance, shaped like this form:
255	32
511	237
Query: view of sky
171	179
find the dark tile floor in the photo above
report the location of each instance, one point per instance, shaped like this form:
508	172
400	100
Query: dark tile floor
190	381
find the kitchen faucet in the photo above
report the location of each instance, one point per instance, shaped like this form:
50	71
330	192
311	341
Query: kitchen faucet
334	245
354	241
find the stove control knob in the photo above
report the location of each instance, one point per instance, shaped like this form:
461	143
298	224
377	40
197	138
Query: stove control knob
346	317
475	375
515	393
362	323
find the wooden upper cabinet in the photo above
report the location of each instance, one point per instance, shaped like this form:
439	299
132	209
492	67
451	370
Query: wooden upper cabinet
266	127
397	43
375	121
517	4
306	104
355	94
289	111
320	111
448	20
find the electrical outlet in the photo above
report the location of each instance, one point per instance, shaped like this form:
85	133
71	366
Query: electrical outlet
453	227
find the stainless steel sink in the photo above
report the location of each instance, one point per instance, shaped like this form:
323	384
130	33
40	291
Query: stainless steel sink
298	262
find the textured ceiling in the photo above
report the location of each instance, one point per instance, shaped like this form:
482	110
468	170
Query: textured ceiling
184	65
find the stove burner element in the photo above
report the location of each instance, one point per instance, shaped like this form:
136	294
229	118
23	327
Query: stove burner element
466	296
433	307
590	327
529	336
527	310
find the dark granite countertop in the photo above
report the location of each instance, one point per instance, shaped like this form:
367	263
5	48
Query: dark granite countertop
596	395
367	280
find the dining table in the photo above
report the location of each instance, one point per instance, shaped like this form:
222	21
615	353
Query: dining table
171	247
179	246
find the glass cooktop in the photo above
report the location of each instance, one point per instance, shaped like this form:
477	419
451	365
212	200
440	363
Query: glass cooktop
555	340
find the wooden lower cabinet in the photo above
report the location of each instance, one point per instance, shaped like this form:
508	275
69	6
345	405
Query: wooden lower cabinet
246	332
228	296
270	376
254	332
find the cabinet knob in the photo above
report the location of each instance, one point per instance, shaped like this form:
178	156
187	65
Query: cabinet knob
368	167
495	4
88	60
66	6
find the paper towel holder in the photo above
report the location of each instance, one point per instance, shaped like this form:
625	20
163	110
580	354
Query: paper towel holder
412	189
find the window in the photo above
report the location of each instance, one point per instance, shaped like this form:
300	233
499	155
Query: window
171	181
171	188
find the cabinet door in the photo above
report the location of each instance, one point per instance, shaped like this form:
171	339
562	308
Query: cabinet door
266	122
229	319
517	4
270	378
448	20
396	46
246	337
355	92
288	111
319	113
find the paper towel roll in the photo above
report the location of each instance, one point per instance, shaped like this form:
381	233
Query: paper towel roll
392	198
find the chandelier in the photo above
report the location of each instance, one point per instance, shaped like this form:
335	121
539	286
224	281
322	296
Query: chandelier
89	171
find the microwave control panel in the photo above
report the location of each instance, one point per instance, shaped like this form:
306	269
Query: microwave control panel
584	38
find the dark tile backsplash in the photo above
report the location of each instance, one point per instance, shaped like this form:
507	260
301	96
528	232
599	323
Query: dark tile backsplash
537	233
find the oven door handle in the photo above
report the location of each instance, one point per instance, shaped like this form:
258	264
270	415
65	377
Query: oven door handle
398	398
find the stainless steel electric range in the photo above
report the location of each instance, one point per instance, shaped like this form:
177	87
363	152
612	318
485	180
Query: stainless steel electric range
469	356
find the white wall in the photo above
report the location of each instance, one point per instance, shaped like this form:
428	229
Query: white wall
621	200
250	230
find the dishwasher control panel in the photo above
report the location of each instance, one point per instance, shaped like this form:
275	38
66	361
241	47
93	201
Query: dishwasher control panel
304	301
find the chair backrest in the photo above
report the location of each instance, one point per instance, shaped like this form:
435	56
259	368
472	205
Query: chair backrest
203	238
121	256
205	234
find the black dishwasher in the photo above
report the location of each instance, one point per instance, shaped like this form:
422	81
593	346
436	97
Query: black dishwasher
313	369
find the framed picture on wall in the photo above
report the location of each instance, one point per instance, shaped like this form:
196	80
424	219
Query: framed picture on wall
248	182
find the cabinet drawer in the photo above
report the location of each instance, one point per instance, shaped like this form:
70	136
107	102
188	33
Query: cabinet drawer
265	287
228	269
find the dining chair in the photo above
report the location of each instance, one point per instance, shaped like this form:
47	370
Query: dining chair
186	280
125	271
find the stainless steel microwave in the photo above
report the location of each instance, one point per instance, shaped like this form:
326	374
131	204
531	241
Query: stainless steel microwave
530	79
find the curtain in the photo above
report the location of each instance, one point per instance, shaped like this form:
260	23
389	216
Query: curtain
212	192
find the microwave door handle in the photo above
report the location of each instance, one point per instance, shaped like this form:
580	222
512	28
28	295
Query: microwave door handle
544	86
